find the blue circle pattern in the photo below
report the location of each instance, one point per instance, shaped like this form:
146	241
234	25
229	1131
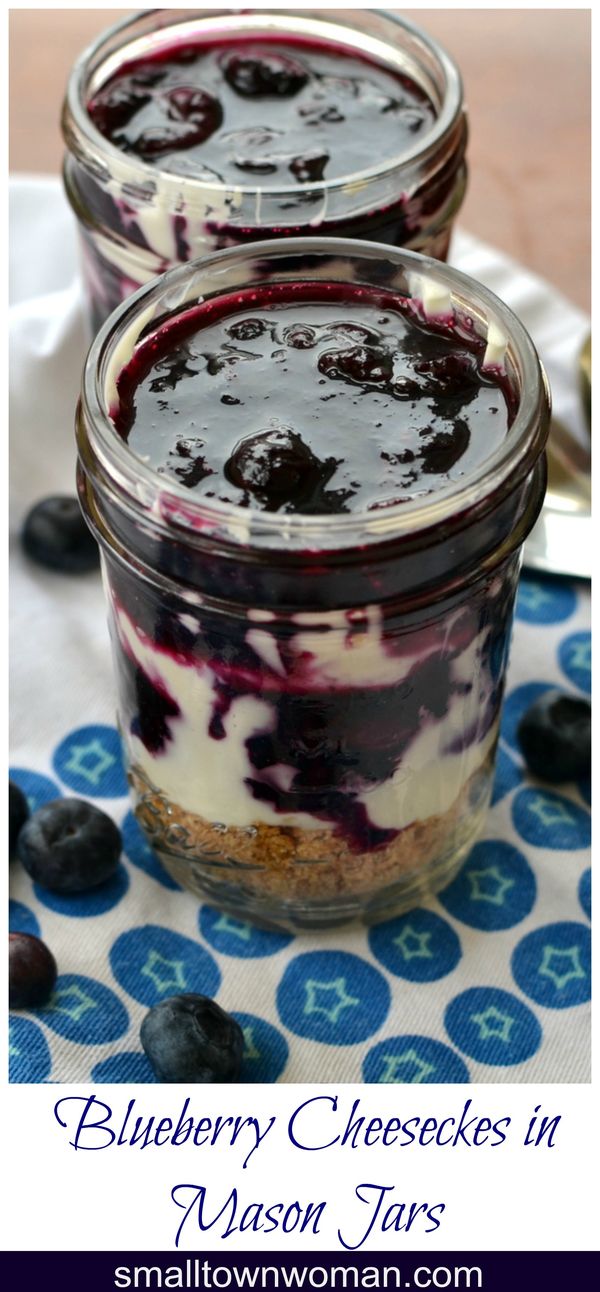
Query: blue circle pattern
236	938
419	946
545	601
333	997
140	854
575	659
21	919
37	789
495	889
85	1011
90	761
266	1050
413	1060
552	965
152	963
28	1053
83	906
549	820
127	1068
492	1027
585	892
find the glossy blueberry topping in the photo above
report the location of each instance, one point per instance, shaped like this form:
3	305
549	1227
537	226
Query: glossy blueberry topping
31	971
69	846
555	735
190	1038
312	399
294	111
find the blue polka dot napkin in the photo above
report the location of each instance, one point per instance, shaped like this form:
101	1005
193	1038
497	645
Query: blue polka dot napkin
490	982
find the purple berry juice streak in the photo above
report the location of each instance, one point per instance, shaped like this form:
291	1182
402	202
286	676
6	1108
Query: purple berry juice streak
338	740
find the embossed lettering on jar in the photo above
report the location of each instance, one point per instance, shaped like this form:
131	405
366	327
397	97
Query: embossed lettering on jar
189	131
311	493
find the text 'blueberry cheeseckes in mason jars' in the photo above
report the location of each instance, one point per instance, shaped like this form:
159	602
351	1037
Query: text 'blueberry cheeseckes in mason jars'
190	131
311	480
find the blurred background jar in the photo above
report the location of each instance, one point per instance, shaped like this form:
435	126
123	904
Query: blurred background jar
136	218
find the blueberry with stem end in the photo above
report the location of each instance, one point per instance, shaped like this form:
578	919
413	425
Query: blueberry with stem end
190	1038
31	971
18	812
69	846
555	737
56	536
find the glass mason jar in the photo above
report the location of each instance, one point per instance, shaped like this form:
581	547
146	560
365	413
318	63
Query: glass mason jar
309	704
137	220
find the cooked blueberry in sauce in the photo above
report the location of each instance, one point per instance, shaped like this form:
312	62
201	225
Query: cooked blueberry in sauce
293	112
305	400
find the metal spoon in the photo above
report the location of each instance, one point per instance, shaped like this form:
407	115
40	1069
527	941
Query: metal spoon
561	540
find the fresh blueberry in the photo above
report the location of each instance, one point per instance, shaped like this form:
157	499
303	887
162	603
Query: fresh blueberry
56	535
18	811
69	846
31	971
190	1038
555	737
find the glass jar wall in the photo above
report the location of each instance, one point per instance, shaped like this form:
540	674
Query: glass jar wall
310	702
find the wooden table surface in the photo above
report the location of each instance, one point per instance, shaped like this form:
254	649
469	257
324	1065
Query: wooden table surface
527	83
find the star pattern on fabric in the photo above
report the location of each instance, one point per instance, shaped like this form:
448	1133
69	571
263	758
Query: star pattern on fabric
164	973
336	990
413	945
493	1024
225	924
393	1063
80	1002
489	885
533	596
549	812
580	655
90	761
555	955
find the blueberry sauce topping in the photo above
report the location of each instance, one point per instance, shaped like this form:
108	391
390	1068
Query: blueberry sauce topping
286	112
310	399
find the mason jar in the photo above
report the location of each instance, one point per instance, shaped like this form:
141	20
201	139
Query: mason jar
309	703
138	217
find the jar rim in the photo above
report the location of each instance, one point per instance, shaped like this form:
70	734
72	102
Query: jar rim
168	503
79	128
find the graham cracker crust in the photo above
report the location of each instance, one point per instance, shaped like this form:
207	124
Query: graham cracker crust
258	871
